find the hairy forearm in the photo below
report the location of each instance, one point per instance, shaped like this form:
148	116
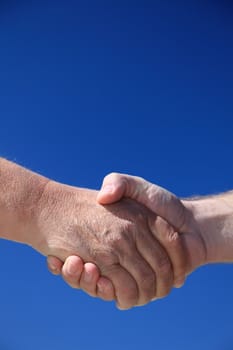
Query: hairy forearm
214	216
20	190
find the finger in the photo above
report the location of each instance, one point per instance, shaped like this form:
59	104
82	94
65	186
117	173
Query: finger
155	198
126	290
72	270
89	278
143	274
158	259
54	265
162	203
86	277
173	244
94	284
137	266
114	187
105	289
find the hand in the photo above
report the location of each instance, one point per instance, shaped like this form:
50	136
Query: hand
186	251
80	275
116	238
183	216
179	217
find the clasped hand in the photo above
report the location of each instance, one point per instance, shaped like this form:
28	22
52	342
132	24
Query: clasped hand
136	245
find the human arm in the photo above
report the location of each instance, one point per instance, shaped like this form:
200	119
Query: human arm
164	204
204	223
61	220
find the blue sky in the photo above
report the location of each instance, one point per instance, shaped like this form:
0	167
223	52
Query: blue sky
142	87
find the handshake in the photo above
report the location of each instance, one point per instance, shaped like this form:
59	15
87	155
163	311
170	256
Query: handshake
143	245
131	242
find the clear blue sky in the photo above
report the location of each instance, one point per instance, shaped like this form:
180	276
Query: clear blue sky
142	87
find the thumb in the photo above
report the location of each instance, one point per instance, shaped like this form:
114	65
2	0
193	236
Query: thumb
160	201
54	265
113	188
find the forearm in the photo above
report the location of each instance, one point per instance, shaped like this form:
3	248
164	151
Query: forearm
214	218
20	190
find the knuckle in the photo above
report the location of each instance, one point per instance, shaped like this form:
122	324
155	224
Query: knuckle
103	257
171	237
174	239
173	242
122	242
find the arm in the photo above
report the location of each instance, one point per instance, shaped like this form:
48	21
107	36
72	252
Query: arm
205	227
20	191
160	201
214	215
61	220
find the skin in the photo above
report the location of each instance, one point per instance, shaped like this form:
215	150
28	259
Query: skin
61	221
174	228
205	228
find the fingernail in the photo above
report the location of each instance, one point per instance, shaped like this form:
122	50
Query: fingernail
179	283
54	270
154	299
52	267
120	307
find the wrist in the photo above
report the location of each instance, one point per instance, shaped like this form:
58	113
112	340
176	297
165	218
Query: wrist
20	190
213	217
57	214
